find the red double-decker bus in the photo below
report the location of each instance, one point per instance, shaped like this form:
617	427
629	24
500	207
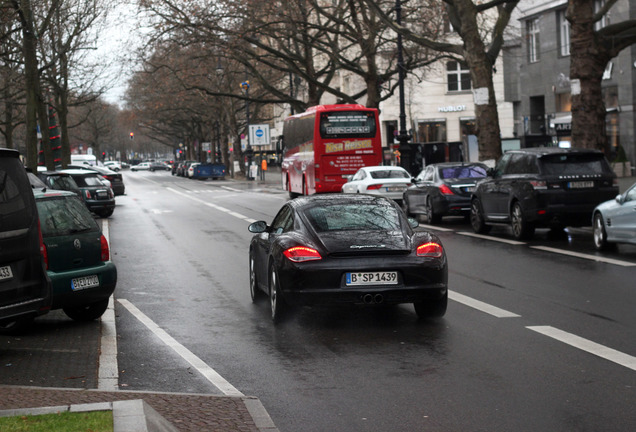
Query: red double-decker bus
327	143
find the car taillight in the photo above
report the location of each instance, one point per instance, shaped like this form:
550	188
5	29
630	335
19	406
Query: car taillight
445	190
43	251
301	254
430	249
539	184
105	249
87	194
374	187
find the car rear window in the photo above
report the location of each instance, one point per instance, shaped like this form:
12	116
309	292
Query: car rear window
468	171
84	181
353	217
15	189
573	164
386	174
64	215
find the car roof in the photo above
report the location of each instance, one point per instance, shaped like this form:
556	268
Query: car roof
47	193
54	173
383	168
325	199
542	151
5	152
75	171
455	164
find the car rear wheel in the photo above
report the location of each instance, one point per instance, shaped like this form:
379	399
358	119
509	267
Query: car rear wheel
277	303
255	293
431	216
521	228
432	308
105	213
477	218
87	312
599	233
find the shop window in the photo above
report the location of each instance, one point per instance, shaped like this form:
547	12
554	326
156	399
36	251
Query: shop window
458	76
431	131
468	126
563	102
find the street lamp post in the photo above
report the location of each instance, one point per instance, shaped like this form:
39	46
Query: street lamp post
245	85
403	135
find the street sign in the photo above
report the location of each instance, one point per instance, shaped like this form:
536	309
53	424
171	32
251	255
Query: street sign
259	135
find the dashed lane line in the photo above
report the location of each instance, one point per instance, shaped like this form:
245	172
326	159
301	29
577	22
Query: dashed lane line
210	374
214	206
481	306
587	345
485	237
585	256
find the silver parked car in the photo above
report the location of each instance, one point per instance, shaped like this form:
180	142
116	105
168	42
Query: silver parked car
614	221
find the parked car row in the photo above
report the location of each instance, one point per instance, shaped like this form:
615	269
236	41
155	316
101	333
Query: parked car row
52	252
527	189
197	170
151	166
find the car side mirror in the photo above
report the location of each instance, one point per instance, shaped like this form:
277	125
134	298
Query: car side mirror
257	227
413	222
349	177
620	199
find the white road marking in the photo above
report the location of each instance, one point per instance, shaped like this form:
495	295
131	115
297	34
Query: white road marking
585	256
214	206
485	237
210	374
435	227
588	346
481	306
108	372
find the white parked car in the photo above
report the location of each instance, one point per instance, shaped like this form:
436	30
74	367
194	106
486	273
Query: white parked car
113	165
191	168
614	221
387	181
144	166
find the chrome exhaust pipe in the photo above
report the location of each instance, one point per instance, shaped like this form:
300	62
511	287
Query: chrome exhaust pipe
378	298
367	299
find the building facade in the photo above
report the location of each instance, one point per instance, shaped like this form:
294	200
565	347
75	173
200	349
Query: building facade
538	79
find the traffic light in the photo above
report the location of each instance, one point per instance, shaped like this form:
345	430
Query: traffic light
132	135
103	155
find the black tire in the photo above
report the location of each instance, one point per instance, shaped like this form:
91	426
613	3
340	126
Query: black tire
432	308
599	234
105	213
521	228
431	216
477	218
276	301
88	312
255	293
18	326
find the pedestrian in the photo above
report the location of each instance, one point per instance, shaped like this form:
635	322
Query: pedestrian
263	168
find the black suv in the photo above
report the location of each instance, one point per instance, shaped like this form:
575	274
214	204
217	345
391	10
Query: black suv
542	187
25	290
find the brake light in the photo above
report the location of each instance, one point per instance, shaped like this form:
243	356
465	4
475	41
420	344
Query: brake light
539	184
301	254
87	194
430	249
445	190
105	249
43	251
374	187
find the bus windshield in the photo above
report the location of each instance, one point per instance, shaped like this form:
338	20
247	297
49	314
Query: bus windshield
347	124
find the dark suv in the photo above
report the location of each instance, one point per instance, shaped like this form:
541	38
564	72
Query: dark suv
25	290
542	187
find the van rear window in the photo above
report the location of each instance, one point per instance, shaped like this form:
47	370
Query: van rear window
574	164
15	212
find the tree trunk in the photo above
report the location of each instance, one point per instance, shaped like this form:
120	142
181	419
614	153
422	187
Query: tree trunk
588	60
488	130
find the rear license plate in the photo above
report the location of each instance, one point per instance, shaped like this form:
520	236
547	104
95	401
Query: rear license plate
5	273
372	278
395	189
85	282
580	184
102	194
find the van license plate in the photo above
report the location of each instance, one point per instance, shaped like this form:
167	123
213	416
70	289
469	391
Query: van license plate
5	273
85	282
372	278
581	184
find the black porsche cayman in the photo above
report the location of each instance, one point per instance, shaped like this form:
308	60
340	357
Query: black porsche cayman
346	249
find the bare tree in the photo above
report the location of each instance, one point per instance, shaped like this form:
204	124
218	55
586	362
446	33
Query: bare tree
590	51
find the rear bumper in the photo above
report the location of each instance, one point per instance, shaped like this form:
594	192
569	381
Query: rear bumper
63	294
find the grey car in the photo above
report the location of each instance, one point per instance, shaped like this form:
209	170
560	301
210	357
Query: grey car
614	221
